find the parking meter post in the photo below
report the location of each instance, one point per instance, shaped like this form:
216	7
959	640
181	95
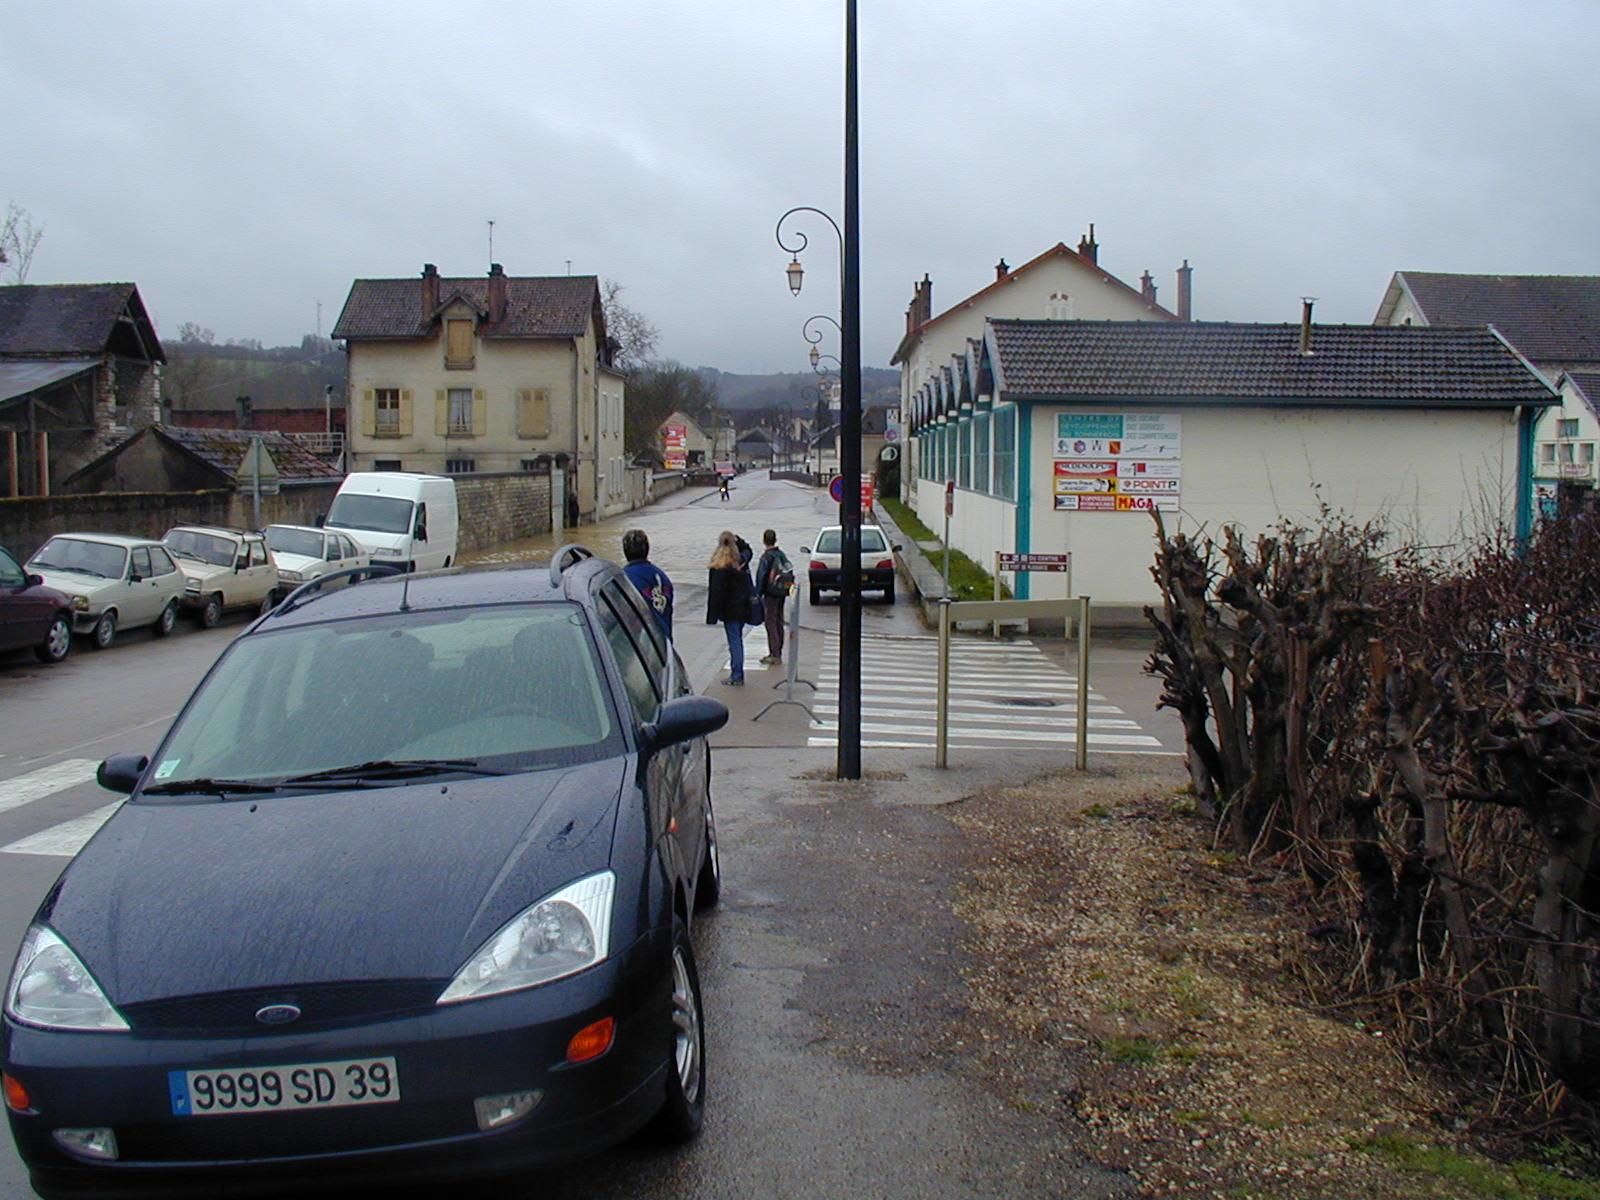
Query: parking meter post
941	756
1083	683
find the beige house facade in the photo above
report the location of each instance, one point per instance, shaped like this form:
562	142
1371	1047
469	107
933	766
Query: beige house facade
465	376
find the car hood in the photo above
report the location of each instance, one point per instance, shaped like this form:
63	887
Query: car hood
73	585
303	564
199	570
177	899
371	540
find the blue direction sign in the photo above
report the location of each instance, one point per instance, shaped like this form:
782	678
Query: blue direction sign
836	489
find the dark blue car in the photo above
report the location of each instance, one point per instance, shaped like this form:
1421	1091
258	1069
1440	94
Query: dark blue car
406	893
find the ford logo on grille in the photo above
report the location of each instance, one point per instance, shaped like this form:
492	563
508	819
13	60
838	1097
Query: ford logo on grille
277	1014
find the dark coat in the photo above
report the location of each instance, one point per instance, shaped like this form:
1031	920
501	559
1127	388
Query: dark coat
728	596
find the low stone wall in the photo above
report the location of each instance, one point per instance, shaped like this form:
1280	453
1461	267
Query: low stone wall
501	506
664	483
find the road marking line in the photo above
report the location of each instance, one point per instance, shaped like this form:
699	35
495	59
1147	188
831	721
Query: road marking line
829	743
927	689
1003	718
1095	739
36	785
66	839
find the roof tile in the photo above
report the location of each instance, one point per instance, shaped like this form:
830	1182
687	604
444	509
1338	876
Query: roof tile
548	306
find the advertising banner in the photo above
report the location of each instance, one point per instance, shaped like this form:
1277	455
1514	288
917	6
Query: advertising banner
1119	435
675	446
1117	462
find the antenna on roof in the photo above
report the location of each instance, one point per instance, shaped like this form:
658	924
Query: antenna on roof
569	266
491	241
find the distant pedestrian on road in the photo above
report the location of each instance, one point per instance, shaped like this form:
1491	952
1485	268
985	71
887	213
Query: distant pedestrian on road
722	483
774	578
573	511
650	579
728	601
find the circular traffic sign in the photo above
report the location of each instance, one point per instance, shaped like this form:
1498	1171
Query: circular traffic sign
836	489
891	434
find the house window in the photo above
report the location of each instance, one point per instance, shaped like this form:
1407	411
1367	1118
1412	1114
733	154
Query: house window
964	454
1547	452
1565	450
387	421
460	466
1586	452
1005	452
386	464
980	452
458	345
461	412
1568	427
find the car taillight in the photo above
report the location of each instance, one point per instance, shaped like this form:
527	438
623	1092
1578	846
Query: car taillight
886	564
818	565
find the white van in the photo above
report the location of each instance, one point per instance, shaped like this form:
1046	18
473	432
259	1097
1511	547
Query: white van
401	519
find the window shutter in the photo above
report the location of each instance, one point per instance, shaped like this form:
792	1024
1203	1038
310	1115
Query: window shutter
441	413
369	413
540	425
524	413
480	412
405	412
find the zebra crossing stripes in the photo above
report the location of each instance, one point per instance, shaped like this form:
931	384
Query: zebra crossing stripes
1003	695
66	838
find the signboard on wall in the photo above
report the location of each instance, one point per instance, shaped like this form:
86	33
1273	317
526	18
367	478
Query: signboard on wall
675	446
1117	462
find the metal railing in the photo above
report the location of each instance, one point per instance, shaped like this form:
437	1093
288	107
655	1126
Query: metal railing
333	443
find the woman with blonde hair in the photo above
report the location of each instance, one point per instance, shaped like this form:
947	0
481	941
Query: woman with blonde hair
728	601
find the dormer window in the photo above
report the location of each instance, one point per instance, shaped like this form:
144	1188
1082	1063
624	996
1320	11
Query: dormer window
458	345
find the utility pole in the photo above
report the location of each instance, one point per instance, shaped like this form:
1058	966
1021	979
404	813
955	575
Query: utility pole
849	759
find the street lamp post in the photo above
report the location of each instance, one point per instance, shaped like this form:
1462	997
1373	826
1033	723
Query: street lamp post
849	755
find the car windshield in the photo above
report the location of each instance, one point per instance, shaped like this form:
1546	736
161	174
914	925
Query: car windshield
508	686
81	557
202	547
829	540
384	514
286	540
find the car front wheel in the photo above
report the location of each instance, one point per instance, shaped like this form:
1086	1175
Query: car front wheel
57	643
167	620
685	1107
211	613
105	630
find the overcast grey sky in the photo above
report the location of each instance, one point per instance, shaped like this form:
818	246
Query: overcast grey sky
242	161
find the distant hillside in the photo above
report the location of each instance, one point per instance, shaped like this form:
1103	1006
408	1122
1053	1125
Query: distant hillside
741	393
204	375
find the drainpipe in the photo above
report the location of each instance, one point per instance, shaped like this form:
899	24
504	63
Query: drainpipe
577	429
1524	508
1024	453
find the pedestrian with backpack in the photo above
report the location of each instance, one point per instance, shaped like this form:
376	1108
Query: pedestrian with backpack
774	580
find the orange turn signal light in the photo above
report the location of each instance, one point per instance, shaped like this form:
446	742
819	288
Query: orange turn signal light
592	1041
17	1098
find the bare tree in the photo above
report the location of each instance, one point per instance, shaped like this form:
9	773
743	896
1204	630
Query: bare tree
19	238
633	332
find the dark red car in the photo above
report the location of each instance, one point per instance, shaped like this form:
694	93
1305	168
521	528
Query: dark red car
32	616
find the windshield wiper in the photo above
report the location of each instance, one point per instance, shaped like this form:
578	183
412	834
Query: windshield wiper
78	570
386	768
209	787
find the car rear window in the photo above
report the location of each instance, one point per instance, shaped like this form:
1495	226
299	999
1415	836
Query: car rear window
506	686
872	540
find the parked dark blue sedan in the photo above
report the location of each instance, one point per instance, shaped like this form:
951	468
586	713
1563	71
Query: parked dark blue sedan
405	893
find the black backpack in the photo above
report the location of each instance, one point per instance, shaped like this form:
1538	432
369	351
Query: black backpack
780	577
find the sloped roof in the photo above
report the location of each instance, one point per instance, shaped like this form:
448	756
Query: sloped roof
541	306
1550	318
224	450
71	318
1587	385
1365	365
1059	250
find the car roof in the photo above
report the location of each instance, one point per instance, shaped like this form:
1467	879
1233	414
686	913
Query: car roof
301	528
111	539
864	525
434	591
215	530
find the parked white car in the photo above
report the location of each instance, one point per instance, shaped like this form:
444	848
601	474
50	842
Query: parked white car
115	582
826	555
304	553
223	569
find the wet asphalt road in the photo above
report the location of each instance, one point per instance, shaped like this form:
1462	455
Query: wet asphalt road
838	1061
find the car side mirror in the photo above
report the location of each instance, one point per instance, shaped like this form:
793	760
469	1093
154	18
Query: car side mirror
805	549
135	577
321	517
897	548
122	772
682	719
33	581
422	533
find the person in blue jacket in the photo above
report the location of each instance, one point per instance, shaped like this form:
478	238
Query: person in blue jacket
649	579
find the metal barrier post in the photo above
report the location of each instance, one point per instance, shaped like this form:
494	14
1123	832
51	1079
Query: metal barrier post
1083	683
997	592
791	671
941	756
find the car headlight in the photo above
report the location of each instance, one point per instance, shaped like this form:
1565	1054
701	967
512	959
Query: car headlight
80	604
192	585
51	988
562	934
291	576
381	552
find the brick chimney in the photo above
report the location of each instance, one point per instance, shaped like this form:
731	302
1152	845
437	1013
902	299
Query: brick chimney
921	309
1305	324
1088	247
430	289
243	410
497	293
1147	287
1000	269
1185	292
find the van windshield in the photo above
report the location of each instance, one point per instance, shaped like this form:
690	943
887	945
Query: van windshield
382	514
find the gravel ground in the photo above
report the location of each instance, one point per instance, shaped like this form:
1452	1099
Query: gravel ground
1131	979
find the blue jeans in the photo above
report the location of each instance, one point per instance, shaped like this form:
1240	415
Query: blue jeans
735	632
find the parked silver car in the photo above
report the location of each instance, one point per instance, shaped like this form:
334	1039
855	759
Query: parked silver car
115	582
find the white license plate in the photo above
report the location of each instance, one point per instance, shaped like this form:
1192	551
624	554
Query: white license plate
277	1089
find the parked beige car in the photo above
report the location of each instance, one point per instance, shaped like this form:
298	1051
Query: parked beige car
303	553
223	569
115	582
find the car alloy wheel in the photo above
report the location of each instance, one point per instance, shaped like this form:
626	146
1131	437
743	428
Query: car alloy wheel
105	629
168	619
684	1110
57	643
212	612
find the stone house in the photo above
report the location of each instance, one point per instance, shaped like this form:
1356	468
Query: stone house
499	373
1553	321
79	370
698	449
1059	284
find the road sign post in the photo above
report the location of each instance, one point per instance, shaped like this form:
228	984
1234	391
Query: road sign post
949	508
1004	561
